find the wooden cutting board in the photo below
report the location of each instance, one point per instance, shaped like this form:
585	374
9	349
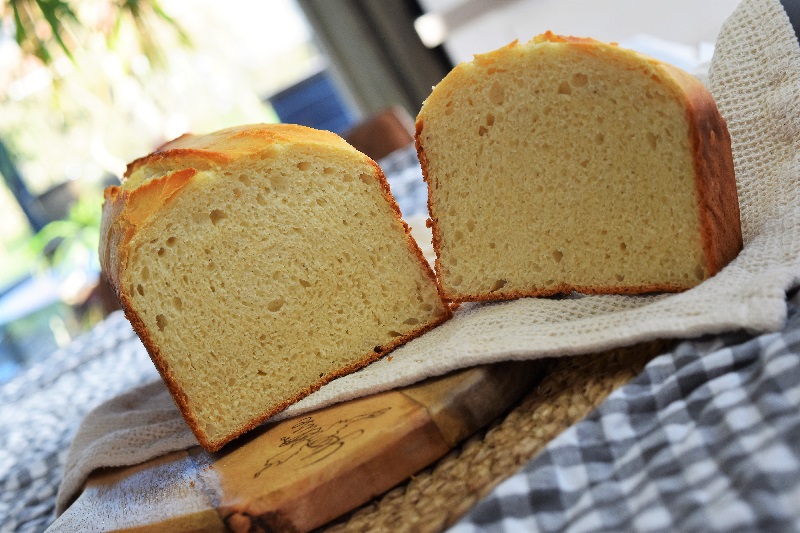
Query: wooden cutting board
301	473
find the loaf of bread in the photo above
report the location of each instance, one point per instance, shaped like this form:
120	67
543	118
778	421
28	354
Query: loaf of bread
258	263
566	164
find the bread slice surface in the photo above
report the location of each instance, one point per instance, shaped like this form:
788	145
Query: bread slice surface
259	263
568	164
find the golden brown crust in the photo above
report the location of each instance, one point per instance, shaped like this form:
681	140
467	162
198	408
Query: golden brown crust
718	207
720	223
224	146
432	222
387	194
565	288
125	212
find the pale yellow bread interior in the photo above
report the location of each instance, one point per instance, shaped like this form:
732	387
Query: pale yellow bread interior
259	263
569	164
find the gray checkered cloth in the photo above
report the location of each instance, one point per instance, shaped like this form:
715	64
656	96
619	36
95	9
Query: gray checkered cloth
41	409
706	439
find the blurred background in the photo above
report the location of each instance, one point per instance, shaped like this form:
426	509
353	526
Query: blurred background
86	86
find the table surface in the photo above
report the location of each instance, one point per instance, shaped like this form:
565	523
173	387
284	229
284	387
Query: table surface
706	438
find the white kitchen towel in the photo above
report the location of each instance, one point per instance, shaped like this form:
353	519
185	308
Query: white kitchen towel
755	78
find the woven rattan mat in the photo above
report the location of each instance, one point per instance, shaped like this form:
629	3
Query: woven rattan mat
434	499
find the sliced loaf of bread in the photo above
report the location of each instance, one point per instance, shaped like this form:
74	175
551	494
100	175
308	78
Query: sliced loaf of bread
258	263
569	164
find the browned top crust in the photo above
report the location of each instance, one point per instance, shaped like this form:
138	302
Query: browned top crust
203	151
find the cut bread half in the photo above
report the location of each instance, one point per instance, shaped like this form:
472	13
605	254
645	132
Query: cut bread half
567	164
257	264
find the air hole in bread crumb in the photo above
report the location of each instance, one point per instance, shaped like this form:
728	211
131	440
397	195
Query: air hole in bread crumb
652	140
457	280
303	165
260	199
564	88
140	290
497	93
278	182
458	236
304	283
558	255
178	303
161	322
620	277
261	373
490	119
426	306
700	272
599	138
411	321
171	241
393	333
321	201
216	215
623	247
161	251
275	305
366	178
492	245
244	179
482	131
579	79
237	193
499	284
145	273
327	170
585	163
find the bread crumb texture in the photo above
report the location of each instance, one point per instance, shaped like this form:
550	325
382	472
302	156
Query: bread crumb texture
270	273
558	165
